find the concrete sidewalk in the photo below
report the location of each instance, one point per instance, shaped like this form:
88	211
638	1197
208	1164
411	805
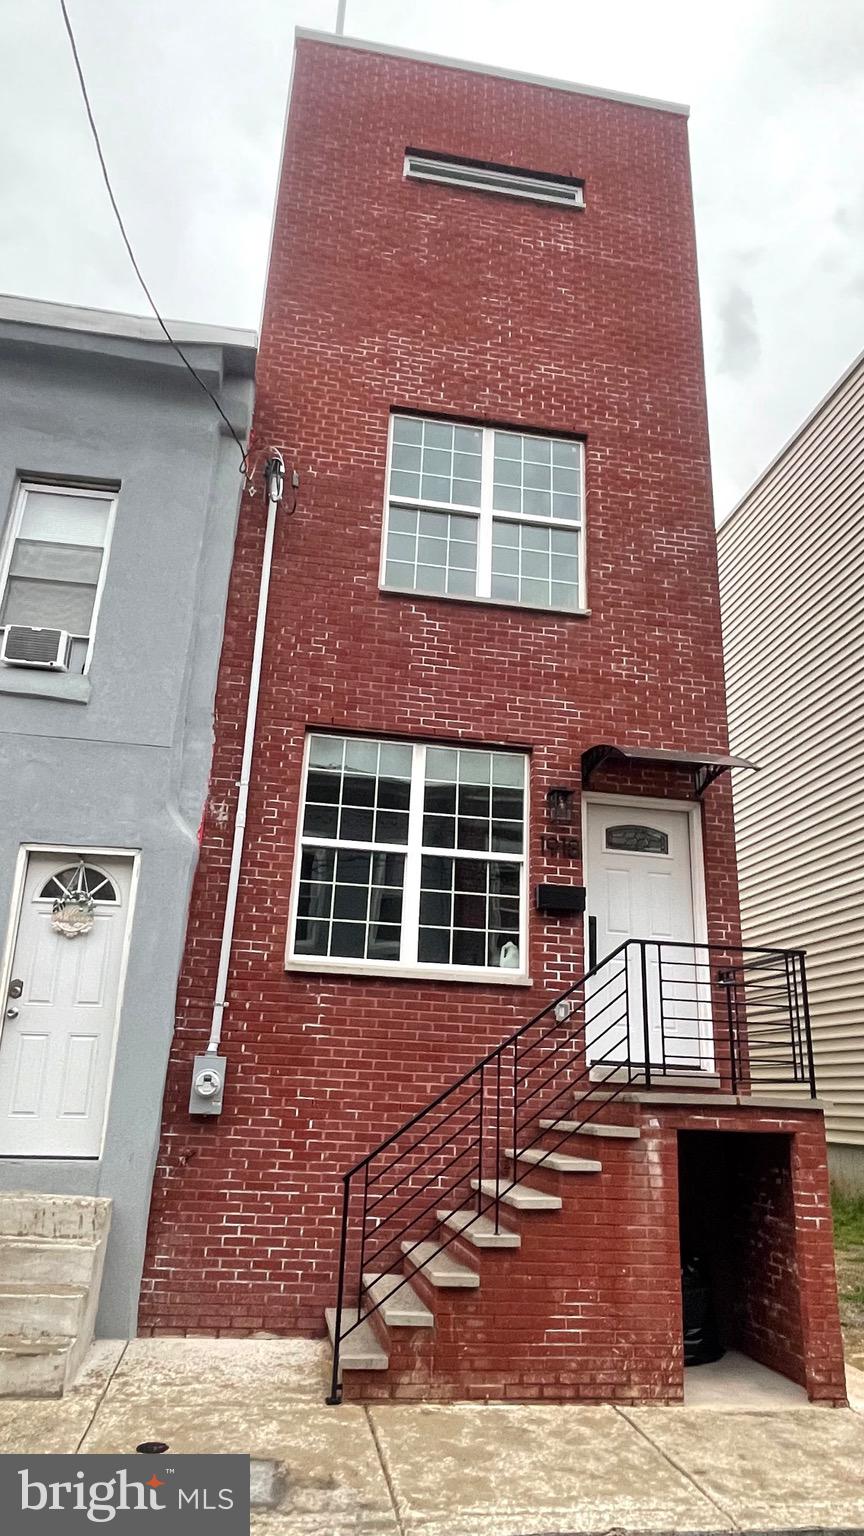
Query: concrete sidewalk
456	1470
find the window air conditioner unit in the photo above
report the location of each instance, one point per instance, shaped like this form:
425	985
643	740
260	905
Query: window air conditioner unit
25	645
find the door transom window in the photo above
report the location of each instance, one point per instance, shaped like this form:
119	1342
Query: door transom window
79	880
630	838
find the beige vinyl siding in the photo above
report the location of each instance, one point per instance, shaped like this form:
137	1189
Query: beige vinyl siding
792	589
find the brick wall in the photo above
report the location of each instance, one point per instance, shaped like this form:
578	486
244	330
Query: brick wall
769	1325
383	293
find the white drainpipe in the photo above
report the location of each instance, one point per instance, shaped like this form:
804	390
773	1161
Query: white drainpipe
274	474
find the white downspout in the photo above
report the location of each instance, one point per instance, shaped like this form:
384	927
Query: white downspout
274	474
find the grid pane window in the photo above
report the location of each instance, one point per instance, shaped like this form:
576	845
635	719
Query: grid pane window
357	791
537	477
471	513
469	912
535	565
432	552
54	561
350	903
436	461
390	828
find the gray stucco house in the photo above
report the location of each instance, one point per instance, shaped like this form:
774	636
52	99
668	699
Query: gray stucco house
119	496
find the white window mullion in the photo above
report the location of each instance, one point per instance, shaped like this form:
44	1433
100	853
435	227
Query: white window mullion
484	531
413	856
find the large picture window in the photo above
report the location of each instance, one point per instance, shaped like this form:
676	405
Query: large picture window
476	512
411	856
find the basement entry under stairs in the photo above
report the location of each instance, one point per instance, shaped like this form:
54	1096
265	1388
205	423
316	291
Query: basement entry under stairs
741	1304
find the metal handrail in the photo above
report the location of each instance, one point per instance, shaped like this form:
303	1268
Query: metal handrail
734	998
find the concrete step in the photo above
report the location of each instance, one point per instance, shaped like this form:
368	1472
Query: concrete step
556	1162
52	1252
402	1310
81	1218
439	1268
360	1351
576	1128
34	1367
478	1230
521	1196
36	1310
49	1260
671	1079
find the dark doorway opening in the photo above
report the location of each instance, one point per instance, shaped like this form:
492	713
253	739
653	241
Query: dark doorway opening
737	1232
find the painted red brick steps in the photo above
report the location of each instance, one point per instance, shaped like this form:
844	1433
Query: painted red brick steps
580	1296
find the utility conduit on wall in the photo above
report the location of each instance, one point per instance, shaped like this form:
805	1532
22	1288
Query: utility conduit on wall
274	475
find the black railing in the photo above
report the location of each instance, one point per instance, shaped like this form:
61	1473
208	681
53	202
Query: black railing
710	1014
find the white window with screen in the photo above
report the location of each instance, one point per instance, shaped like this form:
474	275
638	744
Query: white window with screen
411	857
477	512
53	563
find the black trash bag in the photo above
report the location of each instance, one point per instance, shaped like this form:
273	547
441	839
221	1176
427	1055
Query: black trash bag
701	1333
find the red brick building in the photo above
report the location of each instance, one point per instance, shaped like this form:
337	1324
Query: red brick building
491	696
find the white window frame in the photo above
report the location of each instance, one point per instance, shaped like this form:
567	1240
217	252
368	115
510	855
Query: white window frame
563	192
413	851
61	488
484	515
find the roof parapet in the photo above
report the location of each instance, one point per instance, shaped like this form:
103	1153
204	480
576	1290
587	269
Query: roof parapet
306	34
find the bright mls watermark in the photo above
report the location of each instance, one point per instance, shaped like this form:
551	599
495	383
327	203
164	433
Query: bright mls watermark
195	1495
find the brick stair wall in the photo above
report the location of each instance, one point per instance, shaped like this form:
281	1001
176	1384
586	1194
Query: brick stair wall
589	1308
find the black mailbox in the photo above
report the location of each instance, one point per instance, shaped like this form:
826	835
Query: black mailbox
561	900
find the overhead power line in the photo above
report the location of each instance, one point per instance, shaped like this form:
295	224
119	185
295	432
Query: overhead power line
244	461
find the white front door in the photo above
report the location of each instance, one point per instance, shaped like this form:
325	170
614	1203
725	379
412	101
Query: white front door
60	1011
639	880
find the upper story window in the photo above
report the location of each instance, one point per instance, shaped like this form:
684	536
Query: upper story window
486	176
53	564
477	512
411	858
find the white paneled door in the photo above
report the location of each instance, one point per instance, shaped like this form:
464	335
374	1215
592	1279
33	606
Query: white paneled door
61	1006
640	885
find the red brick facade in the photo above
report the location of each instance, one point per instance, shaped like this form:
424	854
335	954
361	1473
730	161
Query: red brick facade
386	293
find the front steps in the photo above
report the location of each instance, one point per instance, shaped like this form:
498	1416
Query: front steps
439	1268
446	1310
52	1252
521	1196
479	1230
556	1162
574	1127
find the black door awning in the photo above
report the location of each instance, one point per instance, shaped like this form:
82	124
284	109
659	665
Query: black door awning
704	766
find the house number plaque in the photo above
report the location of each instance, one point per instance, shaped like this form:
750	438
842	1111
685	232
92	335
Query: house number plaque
556	846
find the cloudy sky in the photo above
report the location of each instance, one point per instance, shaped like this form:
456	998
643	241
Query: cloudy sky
189	96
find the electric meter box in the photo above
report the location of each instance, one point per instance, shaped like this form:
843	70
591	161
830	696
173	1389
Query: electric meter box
208	1083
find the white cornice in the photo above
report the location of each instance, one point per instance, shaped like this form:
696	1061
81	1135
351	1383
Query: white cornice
105	322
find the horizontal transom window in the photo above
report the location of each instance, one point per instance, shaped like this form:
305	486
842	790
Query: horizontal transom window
478	512
411	855
485	176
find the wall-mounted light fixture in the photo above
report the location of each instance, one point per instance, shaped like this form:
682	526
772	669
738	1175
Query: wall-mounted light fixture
559	803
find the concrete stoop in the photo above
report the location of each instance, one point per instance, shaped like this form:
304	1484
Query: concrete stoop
52	1253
